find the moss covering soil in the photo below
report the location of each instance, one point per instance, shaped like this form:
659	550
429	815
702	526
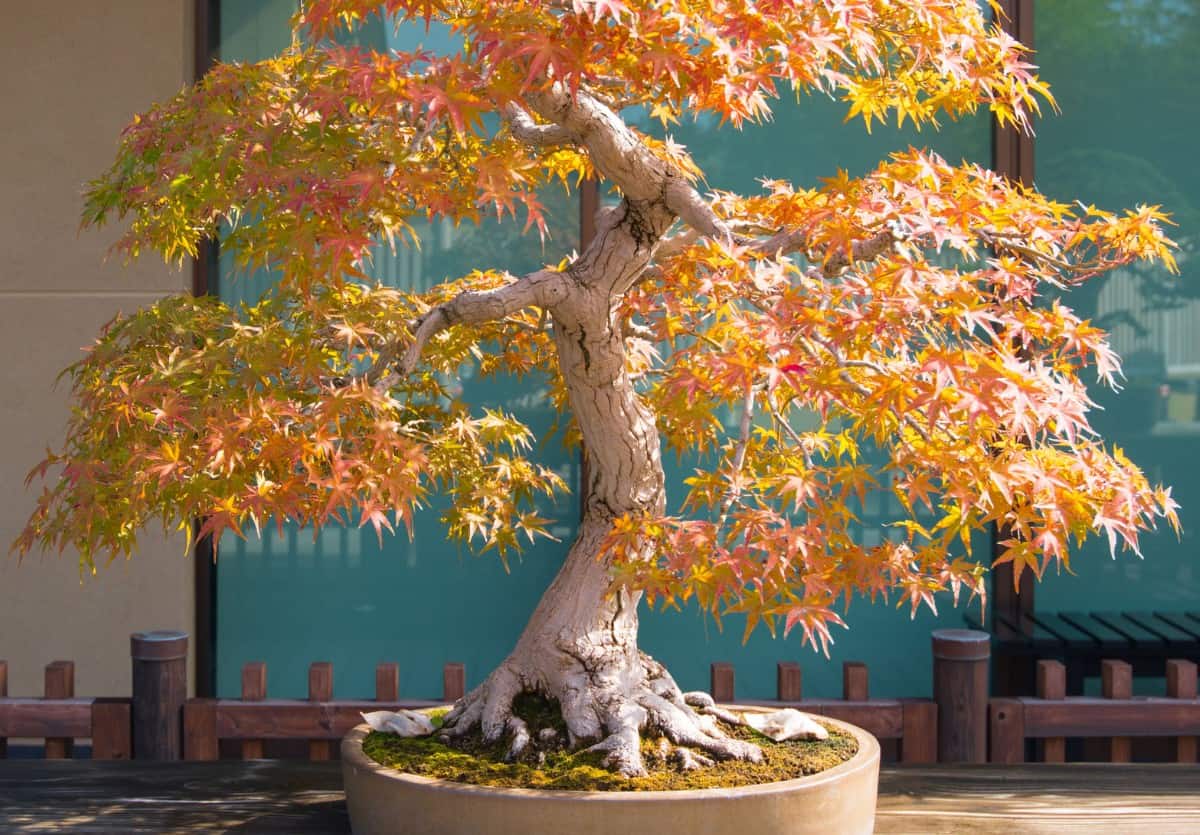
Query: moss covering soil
471	761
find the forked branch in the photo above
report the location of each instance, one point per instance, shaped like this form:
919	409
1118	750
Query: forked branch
544	289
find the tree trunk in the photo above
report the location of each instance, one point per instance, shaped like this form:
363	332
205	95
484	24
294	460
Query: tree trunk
580	645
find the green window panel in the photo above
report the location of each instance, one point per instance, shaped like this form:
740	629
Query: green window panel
809	140
288	600
1125	76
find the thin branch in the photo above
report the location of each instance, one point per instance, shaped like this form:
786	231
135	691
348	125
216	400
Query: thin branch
739	456
867	249
683	199
544	288
1002	241
525	129
676	244
630	328
859	388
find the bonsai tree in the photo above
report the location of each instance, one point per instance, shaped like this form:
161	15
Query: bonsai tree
910	313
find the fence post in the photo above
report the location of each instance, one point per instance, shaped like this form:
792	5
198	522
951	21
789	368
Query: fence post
1052	684
112	729
720	681
1181	684
960	688
787	681
3	695
918	743
254	689
159	690
387	682
1116	682
454	681
1007	720
59	684
200	740
320	689
855	682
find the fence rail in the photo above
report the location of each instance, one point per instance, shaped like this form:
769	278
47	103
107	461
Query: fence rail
959	724
1052	718
911	723
320	720
59	718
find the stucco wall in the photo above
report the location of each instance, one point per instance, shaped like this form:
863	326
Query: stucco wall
71	76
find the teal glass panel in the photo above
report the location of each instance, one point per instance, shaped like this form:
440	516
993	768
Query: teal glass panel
1125	75
805	142
289	600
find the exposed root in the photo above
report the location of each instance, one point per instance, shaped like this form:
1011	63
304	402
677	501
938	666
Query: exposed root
689	760
623	752
519	733
608	709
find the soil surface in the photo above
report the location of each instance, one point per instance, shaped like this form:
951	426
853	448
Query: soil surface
553	767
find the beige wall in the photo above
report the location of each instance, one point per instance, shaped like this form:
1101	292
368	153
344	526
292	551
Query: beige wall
72	74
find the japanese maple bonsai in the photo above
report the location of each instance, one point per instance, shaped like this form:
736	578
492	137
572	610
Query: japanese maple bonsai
911	311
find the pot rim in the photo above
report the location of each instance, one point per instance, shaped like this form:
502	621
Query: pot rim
866	757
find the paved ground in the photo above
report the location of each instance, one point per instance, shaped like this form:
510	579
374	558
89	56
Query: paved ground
298	798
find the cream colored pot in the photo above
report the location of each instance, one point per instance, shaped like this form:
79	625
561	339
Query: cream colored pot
839	801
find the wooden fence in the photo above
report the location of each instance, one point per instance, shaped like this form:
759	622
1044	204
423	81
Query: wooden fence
909	725
959	724
321	721
1039	728
60	719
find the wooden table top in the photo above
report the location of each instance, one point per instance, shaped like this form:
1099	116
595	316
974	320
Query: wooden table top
298	798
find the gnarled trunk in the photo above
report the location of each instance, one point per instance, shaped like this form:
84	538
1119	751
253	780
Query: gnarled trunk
580	645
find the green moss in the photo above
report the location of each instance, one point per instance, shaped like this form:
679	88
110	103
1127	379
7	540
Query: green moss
471	761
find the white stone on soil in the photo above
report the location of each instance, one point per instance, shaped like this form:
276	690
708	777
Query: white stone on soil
785	724
400	723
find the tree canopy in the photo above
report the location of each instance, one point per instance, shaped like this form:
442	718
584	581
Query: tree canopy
905	310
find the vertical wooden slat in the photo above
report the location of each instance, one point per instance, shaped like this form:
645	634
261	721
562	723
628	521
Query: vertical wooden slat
919	741
59	684
112	729
454	681
206	30
1006	721
3	695
721	682
1052	684
204	587
1181	684
1012	157
1013	150
200	730
254	689
787	681
387	683
854	682
1116	682
320	689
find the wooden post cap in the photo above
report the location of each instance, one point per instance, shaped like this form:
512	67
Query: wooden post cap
961	645
158	645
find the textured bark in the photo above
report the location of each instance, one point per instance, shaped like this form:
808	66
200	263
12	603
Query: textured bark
580	645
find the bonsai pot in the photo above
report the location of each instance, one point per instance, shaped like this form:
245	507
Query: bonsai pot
837	801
